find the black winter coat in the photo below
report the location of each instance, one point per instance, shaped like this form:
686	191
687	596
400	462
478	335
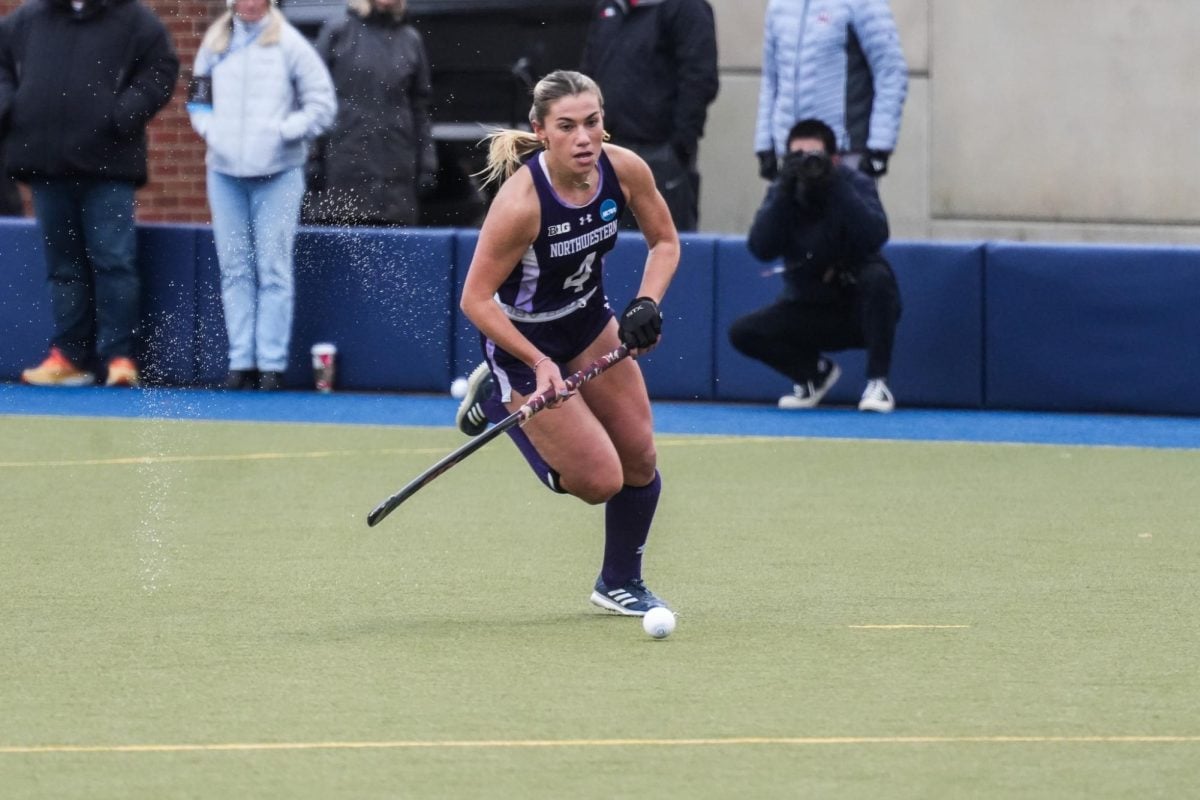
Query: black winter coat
77	89
381	148
656	64
820	237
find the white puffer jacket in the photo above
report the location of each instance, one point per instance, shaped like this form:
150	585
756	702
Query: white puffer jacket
839	61
271	95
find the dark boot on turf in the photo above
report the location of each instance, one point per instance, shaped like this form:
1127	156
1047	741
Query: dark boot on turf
631	599
270	381
471	418
239	379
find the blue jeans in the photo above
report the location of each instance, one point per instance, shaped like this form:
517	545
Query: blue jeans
91	265
254	226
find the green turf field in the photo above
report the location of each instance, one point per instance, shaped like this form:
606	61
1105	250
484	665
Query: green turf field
199	610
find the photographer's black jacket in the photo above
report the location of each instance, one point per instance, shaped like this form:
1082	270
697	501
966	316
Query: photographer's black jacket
837	231
77	88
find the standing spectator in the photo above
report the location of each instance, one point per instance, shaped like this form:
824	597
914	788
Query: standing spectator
260	94
11	204
380	156
838	61
79	82
656	63
826	220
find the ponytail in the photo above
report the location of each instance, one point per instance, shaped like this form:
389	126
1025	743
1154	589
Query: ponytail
507	148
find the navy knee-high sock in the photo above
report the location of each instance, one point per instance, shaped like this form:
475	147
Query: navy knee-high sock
627	518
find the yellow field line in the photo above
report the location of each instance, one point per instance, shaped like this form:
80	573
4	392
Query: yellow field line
785	741
187	459
184	459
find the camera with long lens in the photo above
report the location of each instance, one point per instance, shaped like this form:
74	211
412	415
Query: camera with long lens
809	169
815	167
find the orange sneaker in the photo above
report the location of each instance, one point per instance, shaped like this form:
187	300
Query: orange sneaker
57	370
121	372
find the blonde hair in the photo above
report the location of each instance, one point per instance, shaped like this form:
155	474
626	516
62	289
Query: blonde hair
363	8
217	37
507	148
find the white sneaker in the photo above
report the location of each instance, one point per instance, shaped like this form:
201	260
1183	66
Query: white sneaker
807	395
877	397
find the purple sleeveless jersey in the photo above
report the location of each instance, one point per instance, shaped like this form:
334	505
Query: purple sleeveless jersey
561	270
555	295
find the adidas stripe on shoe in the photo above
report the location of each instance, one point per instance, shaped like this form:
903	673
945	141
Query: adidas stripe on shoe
632	599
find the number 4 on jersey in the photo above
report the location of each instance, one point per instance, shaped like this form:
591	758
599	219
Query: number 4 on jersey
580	278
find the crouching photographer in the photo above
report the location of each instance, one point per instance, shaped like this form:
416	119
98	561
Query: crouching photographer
826	222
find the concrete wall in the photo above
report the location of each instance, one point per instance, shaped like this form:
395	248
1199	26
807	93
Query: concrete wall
1072	120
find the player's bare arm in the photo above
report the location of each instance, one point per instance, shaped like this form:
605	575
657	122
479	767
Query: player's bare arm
508	231
654	218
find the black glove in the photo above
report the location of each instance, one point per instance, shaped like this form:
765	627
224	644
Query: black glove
641	323
768	165
874	162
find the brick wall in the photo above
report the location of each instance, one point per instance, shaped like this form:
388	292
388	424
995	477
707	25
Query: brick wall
175	192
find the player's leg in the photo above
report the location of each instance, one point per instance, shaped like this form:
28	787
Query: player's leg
576	446
622	406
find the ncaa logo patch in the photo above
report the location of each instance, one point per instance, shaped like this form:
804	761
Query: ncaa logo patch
608	210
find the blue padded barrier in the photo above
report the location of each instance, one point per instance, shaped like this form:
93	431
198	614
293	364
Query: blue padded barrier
937	359
167	260
1050	327
742	287
1093	328
381	296
467	353
26	322
681	367
938	356
209	359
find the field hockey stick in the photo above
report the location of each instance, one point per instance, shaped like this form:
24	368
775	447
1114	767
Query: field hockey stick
519	417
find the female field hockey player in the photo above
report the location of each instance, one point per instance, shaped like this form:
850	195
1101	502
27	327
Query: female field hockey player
534	291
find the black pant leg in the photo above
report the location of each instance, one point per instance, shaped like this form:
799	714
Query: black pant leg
878	305
789	336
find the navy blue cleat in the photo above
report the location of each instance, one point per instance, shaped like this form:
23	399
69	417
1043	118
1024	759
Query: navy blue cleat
471	418
632	599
